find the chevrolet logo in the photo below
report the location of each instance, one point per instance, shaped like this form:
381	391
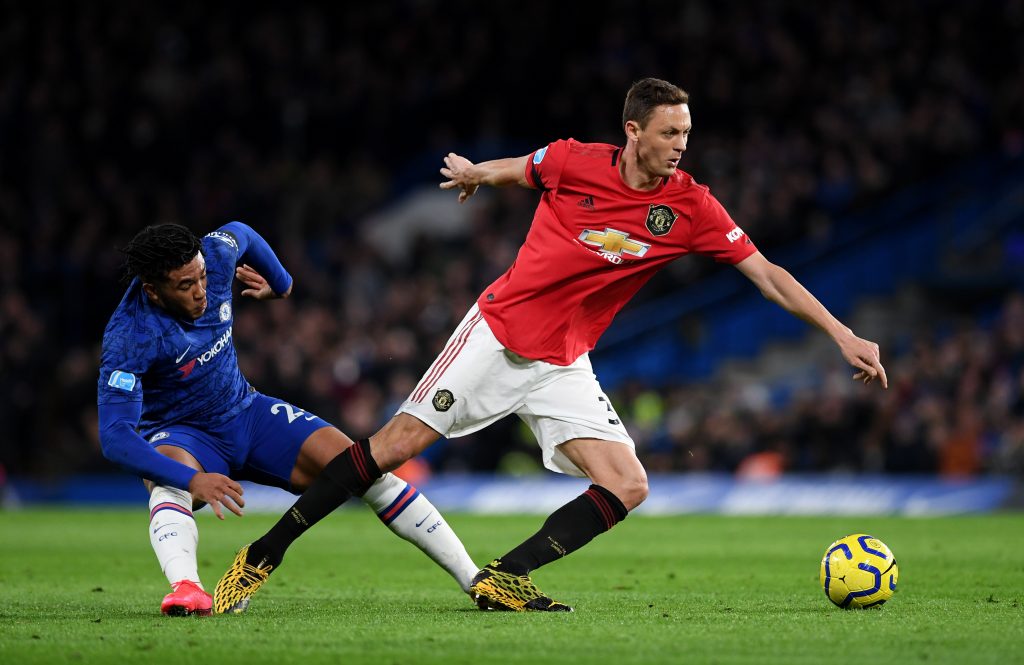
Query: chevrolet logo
614	242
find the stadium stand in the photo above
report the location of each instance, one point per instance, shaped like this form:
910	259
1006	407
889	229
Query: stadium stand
811	124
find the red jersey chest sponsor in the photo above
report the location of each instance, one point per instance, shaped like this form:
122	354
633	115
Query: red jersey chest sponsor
602	215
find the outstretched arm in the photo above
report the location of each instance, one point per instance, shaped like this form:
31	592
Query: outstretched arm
777	285
271	279
467	176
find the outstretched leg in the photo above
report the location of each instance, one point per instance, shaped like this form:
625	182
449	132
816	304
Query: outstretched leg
351	473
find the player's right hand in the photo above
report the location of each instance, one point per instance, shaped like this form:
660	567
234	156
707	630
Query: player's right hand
217	489
456	169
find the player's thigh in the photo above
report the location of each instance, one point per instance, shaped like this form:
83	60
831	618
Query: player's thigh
180	455
567	405
473	382
190	446
278	453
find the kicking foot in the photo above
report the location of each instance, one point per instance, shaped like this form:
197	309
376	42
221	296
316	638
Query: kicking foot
239	583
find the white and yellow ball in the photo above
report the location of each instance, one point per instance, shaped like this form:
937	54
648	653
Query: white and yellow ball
859	571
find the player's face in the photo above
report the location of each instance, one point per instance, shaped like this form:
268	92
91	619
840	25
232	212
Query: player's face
661	144
183	292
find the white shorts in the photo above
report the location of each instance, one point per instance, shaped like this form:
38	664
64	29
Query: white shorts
475	381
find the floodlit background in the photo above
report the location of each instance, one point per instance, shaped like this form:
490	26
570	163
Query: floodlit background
874	149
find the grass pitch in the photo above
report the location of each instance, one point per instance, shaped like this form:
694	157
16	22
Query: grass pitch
84	587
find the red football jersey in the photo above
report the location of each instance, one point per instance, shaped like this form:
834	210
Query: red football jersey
593	243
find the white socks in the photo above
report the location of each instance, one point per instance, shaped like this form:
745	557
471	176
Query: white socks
173	533
175	537
410	515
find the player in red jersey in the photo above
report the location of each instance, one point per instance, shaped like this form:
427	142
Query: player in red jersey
607	220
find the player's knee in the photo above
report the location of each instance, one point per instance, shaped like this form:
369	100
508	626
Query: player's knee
639	492
633	490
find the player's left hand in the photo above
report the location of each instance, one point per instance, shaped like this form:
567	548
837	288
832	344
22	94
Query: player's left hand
863	354
258	286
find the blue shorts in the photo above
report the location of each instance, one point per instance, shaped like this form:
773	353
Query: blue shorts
260	444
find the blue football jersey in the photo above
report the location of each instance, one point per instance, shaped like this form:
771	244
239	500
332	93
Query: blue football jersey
182	371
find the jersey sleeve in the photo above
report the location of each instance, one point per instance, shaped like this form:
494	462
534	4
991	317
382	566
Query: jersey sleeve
126	356
123	361
716	235
251	248
122	445
544	166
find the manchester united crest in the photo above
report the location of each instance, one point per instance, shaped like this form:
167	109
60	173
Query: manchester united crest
660	219
443	400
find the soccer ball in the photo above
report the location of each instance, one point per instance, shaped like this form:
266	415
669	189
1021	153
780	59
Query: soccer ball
859	571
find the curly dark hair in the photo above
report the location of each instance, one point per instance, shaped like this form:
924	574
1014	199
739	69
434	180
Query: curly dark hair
648	94
157	250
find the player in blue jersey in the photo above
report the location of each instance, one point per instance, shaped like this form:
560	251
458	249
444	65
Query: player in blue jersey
175	409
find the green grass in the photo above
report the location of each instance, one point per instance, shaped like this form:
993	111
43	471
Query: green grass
83	586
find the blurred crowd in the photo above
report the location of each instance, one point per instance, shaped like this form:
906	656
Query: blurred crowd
303	121
955	406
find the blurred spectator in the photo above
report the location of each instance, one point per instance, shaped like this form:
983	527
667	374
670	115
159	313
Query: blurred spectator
955	406
304	121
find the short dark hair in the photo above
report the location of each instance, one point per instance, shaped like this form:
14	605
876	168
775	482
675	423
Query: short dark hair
648	94
157	250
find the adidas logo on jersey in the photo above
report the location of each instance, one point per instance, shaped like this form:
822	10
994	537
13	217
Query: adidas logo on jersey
586	202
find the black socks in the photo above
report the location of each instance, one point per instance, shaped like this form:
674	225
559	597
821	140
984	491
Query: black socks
566	530
349	474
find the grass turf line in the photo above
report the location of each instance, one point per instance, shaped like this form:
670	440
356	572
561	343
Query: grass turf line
83	586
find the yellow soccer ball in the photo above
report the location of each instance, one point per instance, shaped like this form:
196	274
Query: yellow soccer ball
859	571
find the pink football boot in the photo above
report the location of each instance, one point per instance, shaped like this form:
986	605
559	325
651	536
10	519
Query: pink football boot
187	598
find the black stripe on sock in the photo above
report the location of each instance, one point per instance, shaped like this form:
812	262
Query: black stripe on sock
612	505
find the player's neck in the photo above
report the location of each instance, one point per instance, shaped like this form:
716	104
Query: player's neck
632	175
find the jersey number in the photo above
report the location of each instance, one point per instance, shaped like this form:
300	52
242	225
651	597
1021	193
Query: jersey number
290	410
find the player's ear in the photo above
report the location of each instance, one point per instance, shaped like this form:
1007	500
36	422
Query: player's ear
151	293
632	130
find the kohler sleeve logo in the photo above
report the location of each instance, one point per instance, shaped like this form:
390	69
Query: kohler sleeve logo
734	235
